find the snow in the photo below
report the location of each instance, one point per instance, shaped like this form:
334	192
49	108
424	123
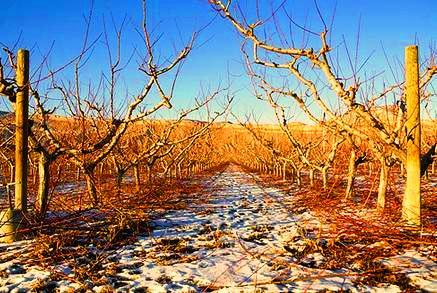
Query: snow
241	238
420	270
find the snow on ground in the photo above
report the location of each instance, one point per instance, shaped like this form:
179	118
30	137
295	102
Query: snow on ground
243	239
421	270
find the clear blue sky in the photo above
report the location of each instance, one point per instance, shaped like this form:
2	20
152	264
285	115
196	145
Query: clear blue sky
42	22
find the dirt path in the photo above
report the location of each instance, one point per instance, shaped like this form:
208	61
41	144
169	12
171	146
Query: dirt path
241	238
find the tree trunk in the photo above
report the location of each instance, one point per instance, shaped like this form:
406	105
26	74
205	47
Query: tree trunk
102	168
12	175
174	171
149	173
298	177
383	182
137	177
284	169
325	177
311	177
91	188
43	184
351	176
292	175
119	178
179	172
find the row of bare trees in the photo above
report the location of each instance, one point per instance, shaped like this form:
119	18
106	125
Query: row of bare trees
90	126
344	102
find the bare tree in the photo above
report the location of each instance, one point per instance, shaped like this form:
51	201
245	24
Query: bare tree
96	122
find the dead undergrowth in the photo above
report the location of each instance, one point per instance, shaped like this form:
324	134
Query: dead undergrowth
82	239
356	236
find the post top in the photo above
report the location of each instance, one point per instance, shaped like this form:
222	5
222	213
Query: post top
409	47
23	51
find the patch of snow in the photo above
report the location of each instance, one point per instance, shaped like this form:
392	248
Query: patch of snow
421	270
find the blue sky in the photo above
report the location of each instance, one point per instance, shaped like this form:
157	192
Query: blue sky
394	24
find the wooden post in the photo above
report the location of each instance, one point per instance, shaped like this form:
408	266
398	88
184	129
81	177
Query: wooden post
411	201
21	136
11	219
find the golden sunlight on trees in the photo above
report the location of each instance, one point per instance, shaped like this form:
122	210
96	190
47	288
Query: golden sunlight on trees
115	177
361	119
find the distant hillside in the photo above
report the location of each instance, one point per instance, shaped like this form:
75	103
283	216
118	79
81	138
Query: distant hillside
429	126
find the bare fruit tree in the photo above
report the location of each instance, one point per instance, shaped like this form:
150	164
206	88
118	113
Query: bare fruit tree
97	125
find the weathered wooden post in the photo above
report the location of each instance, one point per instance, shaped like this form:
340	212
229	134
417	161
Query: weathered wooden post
21	136
411	201
11	218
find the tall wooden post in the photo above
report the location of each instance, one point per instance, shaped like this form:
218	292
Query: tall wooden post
21	136
11	218
411	202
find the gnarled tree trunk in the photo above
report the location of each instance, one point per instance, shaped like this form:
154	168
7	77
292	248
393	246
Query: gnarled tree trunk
43	184
383	182
91	186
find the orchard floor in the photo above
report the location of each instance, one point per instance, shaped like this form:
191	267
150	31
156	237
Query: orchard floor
237	236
